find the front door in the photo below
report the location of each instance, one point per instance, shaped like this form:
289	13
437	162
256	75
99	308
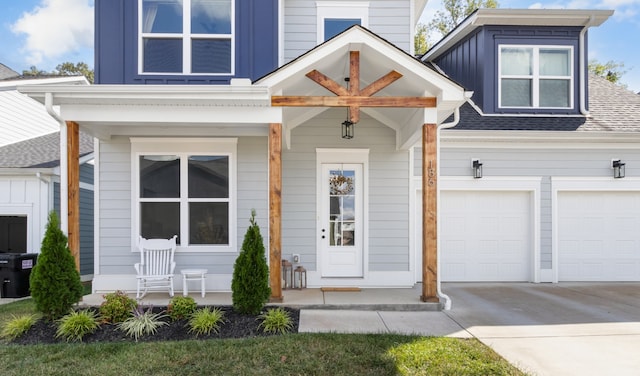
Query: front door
341	220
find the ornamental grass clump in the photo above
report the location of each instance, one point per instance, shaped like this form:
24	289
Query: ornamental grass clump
250	283
181	307
77	324
55	283
117	307
276	320
143	322
17	326
206	320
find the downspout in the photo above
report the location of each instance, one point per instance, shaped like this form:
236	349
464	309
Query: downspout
64	179
451	124
583	68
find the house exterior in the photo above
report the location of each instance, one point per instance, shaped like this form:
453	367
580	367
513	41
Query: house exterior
30	173
203	113
548	207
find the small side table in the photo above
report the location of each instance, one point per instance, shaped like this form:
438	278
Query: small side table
193	275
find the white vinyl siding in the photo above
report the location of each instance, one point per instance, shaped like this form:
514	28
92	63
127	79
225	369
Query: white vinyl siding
388	209
547	163
390	19
115	236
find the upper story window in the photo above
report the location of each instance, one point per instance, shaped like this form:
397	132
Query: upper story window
336	16
186	36
535	76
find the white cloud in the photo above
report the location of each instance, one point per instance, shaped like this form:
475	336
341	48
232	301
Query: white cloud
55	28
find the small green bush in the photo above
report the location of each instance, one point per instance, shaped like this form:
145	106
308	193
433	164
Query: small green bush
55	282
206	320
181	307
77	324
142	322
250	283
276	320
17	326
117	307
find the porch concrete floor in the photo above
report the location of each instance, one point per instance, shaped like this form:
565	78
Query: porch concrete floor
400	299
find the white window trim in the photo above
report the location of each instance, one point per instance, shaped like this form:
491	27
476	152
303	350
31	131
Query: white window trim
340	9
535	77
186	37
182	147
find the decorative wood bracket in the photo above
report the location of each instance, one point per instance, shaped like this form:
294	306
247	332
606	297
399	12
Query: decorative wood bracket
353	97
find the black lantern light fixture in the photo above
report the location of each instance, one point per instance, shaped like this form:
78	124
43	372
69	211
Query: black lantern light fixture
477	168
618	168
347	129
347	125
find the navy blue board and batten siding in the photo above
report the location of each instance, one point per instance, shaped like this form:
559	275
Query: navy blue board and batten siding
116	61
473	63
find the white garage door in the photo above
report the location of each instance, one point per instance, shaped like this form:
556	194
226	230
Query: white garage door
485	236
599	236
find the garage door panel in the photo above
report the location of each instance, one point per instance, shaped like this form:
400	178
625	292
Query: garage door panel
598	237
493	244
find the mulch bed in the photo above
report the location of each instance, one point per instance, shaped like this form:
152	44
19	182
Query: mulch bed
236	325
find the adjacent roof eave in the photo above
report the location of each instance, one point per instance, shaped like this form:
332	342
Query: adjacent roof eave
205	95
517	17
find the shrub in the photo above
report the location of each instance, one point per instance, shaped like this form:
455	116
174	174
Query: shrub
55	282
206	320
117	307
17	326
250	283
142	322
181	307
276	320
77	324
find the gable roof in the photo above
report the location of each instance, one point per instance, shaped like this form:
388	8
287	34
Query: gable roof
7	73
517	17
377	58
39	152
612	108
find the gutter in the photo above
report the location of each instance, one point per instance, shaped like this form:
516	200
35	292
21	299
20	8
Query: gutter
451	124
64	168
583	67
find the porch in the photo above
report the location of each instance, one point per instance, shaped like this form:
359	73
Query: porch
373	299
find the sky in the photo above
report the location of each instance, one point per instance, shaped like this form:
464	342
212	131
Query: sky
45	33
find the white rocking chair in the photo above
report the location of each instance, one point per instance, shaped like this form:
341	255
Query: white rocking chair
155	269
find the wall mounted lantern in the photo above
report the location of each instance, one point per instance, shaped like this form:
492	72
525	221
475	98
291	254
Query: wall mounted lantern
477	168
618	168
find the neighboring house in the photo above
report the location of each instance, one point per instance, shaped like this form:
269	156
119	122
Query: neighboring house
201	119
29	171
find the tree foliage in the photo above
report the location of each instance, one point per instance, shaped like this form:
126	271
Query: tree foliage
445	20
250	284
454	12
63	69
610	70
55	282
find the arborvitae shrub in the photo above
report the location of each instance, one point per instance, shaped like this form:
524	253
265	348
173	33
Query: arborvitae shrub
55	283
250	284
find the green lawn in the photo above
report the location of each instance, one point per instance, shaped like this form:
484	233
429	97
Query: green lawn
292	354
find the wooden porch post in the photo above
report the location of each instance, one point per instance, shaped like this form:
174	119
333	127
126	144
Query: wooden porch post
73	192
275	211
429	214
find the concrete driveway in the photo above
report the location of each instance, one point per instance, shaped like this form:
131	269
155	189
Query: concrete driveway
554	329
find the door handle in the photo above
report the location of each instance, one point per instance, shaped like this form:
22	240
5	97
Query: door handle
323	235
